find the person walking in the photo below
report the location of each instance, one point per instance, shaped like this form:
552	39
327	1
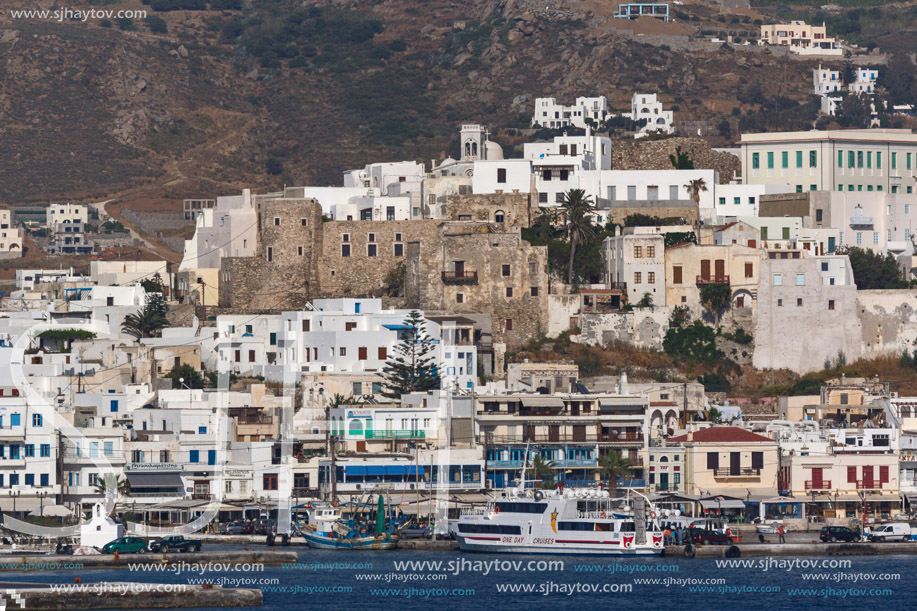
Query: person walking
681	535
782	532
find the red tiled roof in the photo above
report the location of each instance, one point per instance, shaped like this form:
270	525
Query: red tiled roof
722	434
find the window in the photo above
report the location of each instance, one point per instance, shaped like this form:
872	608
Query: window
638	252
868	159
800	279
785	159
399	250
757	460
875	237
36	420
345	237
194	456
345	250
506	270
650	252
713	460
736	200
878	160
749	270
798	301
894	160
907	208
818	215
299	251
637	277
371	250
342	351
799	188
779	303
770	160
361	353
398	237
509	324
382	353
778	279
564	175
840	159
45	450
28	450
813	159
276	221
302	222
673	192
270	253
859	159
722	201
859	237
908	161
651	277
851	159
459	298
546	175
501	175
269	481
755	161
798	159
533	291
14	420
676	275
509	291
830	304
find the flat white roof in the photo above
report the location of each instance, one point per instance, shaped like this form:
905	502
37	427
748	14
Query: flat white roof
863	135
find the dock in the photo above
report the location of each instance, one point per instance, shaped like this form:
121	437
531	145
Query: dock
125	595
791	549
111	561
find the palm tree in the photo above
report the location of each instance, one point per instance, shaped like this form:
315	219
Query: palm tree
542	469
146	322
577	207
613	466
113	483
694	187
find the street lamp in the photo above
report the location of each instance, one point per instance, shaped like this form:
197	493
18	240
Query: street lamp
13	494
41	501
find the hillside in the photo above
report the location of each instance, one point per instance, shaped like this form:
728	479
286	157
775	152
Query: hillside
202	102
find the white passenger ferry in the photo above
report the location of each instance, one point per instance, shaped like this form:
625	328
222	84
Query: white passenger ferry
576	521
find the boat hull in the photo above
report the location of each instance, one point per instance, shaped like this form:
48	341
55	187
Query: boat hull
322	541
467	544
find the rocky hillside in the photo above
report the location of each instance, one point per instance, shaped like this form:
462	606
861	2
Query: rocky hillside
203	102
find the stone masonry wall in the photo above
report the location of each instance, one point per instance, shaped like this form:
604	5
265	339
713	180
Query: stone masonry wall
516	209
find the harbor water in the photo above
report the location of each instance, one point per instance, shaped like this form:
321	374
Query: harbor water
449	580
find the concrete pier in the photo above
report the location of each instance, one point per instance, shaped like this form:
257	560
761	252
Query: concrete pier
794	549
428	544
110	561
125	595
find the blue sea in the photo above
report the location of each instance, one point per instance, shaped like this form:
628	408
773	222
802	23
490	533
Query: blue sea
450	580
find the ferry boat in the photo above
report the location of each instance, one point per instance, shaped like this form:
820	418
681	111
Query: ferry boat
575	522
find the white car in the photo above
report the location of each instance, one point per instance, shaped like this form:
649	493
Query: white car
892	531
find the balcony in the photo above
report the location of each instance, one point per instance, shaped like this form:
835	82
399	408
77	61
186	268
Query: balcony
868	484
617	286
460	277
824	484
705	280
861	221
395	434
744	472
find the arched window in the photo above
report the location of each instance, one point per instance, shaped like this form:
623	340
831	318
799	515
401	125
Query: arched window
499	217
356	427
474	149
663	459
468	149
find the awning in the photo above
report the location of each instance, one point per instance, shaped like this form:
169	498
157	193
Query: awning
354	470
416	470
725	504
376	470
154	480
542	402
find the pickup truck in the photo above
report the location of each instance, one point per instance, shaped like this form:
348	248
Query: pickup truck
175	543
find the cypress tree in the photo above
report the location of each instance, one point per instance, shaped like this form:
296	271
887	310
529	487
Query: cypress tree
412	366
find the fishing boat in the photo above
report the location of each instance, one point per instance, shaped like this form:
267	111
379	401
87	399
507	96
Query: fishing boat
357	526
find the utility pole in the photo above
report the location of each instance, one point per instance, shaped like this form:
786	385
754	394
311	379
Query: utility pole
334	487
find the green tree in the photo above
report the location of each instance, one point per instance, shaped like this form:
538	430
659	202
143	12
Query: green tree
148	321
191	376
681	316
646	301
694	189
394	279
273	166
716	297
613	466
577	207
872	270
680	160
694	342
542	470
153	285
413	366
111	482
64	338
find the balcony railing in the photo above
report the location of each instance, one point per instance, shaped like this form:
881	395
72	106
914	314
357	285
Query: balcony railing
744	472
861	221
617	286
460	277
395	434
824	484
869	484
704	280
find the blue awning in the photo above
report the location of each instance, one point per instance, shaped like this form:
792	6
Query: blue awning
397	327
396	470
375	470
354	470
415	470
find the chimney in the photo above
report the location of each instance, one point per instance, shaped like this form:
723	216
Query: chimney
690	435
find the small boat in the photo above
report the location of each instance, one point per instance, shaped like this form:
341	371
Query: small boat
357	526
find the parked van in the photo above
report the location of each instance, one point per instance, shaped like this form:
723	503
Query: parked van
891	531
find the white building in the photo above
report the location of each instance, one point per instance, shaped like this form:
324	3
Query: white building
734	200
119	273
865	81
826	80
558	165
636	263
502	176
881	222
67	213
230	229
10	236
585	112
357	335
645	106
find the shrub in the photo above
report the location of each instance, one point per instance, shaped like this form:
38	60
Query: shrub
156	24
273	166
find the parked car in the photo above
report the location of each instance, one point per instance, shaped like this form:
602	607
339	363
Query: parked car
125	545
833	534
175	543
263	527
892	531
708	537
236	528
417	532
